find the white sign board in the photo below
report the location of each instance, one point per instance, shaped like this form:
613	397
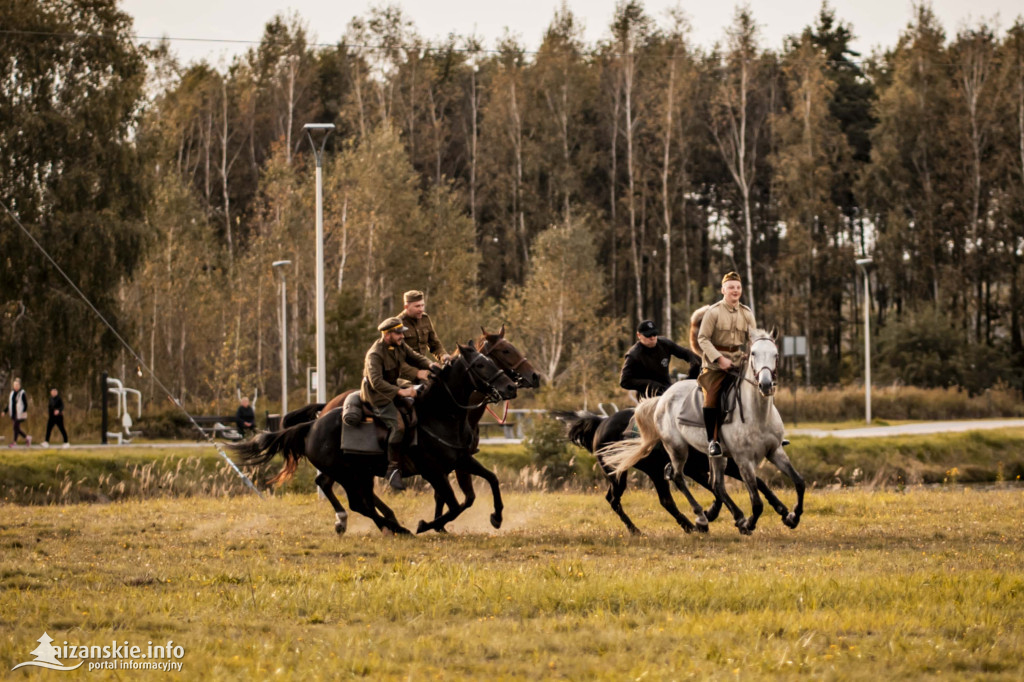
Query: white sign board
311	382
794	345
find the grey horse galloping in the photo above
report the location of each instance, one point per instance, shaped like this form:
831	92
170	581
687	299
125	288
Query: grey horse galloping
748	441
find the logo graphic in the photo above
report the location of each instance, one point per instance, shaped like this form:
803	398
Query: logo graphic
46	656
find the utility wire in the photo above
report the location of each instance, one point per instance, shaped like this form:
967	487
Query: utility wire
426	48
142	363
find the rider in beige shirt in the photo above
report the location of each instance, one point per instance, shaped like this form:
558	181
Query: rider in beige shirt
723	338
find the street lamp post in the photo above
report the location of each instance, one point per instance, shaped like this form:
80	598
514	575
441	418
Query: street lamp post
279	266
321	338
863	264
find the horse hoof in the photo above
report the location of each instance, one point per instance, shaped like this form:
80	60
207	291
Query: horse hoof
496	520
403	531
339	528
791	520
442	530
422	528
743	526
636	532
702	526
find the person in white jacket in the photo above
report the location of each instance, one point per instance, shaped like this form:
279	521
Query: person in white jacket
17	407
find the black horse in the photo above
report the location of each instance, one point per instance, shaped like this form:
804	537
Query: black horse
510	360
445	441
592	432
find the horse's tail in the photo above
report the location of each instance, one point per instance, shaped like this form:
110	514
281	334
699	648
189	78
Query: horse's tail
620	456
290	442
302	415
582	427
695	320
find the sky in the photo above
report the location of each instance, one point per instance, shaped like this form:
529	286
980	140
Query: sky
875	23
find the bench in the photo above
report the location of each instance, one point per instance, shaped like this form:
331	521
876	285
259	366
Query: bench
219	427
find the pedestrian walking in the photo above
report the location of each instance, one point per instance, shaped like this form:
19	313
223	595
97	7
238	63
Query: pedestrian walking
17	407
55	409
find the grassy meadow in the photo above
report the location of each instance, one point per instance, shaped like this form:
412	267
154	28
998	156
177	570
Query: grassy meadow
927	582
56	476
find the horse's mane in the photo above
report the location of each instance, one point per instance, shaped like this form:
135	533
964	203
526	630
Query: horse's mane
756	334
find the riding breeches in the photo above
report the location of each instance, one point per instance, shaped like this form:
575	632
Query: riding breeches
713	382
396	425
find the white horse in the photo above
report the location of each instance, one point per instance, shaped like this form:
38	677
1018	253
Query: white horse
754	433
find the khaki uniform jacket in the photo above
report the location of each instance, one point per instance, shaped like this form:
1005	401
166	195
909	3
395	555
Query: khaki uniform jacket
420	335
382	368
724	327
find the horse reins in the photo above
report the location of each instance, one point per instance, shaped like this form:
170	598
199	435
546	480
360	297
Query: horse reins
491	395
486	350
741	374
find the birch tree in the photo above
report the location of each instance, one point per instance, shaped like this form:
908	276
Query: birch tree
738	124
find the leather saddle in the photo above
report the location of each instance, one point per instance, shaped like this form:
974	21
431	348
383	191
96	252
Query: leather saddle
692	413
362	433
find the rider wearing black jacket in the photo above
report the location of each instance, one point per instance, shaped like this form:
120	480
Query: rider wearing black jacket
645	369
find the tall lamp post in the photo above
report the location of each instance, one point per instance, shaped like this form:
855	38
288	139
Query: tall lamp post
863	264
279	266
321	338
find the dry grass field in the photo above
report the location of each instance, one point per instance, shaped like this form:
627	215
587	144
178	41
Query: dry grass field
874	584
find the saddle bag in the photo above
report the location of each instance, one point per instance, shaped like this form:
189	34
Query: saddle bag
352	410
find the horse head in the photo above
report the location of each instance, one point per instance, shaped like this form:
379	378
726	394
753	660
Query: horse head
764	361
508	358
485	377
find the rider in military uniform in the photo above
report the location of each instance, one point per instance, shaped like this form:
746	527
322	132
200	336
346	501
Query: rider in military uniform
645	369
419	330
388	366
724	334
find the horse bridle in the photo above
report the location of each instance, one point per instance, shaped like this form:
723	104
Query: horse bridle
488	390
774	370
513	371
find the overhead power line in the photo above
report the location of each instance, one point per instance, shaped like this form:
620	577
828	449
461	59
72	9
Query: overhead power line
131	351
76	35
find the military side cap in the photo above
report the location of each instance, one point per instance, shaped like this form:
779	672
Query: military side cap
731	277
647	328
412	296
392	324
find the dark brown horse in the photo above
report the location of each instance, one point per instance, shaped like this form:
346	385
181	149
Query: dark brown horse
510	360
444	440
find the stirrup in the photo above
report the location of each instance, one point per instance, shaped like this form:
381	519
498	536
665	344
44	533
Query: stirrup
714	449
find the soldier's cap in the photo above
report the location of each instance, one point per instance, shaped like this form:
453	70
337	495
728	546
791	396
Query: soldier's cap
647	328
392	324
731	277
412	296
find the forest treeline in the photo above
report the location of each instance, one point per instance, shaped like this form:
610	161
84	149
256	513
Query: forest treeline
567	192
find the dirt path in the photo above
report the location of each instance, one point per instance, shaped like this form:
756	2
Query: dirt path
911	429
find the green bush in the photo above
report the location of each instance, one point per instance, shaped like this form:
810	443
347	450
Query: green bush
929	349
549	451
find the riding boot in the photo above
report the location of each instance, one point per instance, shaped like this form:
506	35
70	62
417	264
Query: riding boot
394	472
711	424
